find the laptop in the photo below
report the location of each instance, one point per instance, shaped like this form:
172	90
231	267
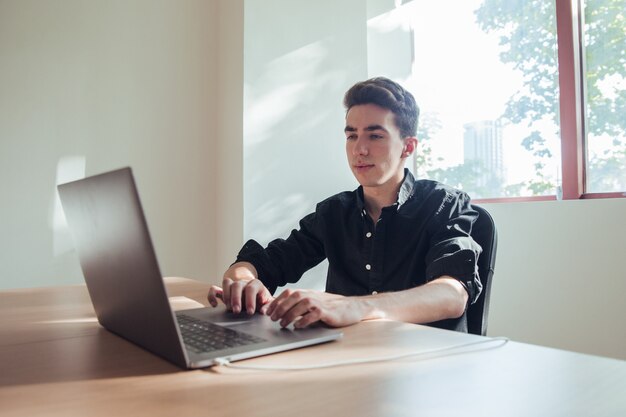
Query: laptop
128	294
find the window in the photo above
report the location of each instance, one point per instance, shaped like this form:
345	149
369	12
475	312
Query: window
501	89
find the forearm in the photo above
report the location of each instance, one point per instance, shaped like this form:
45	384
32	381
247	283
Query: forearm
442	298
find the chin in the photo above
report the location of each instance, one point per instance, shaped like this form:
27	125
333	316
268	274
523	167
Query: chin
367	183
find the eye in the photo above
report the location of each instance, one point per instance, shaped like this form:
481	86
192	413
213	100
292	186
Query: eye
351	136
376	136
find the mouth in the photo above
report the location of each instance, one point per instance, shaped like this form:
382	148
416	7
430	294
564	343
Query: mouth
362	167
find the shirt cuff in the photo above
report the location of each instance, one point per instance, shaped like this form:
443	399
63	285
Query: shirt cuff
460	266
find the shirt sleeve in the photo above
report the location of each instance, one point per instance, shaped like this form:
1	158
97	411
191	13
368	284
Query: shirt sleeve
453	252
285	260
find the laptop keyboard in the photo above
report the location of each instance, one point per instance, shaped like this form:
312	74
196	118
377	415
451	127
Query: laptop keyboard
201	336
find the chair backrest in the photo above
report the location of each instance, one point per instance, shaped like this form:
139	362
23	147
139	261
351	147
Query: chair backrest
484	233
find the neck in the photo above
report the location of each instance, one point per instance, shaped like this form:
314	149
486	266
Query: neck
376	198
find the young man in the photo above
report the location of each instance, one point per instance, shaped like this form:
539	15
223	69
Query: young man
397	248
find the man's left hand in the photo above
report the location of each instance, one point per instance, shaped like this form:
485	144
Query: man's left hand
304	307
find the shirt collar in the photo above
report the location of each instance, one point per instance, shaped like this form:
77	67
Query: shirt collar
405	193
406	189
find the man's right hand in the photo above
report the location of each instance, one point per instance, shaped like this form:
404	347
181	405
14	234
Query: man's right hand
241	290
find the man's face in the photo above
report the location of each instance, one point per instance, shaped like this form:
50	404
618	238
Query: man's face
375	148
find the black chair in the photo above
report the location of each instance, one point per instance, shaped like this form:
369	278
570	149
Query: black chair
484	233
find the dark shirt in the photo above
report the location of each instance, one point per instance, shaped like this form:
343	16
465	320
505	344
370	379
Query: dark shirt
423	236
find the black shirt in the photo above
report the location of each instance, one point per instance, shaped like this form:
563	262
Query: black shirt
423	236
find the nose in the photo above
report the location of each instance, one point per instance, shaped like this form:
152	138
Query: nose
359	147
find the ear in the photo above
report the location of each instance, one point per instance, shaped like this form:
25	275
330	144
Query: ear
410	143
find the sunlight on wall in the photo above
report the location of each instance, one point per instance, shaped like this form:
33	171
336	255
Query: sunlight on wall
272	212
69	168
269	107
288	119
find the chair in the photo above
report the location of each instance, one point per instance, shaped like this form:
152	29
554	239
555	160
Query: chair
484	233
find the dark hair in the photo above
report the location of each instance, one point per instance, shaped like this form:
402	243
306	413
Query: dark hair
389	95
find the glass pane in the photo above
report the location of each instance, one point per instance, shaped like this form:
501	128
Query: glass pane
484	73
605	42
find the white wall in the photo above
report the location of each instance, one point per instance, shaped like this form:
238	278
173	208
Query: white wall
89	86
560	278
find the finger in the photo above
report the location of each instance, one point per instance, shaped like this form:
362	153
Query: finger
269	309
298	310
314	315
236	292
281	304
274	303
226	284
264	301
263	309
251	293
215	294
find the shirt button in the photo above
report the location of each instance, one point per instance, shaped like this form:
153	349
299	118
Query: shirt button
374	292
368	267
368	234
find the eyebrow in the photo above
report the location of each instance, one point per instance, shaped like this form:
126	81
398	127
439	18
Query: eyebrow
369	128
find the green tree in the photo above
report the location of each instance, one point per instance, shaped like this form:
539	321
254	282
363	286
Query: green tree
468	177
605	37
527	31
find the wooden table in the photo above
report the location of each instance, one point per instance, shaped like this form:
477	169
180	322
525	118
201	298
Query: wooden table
55	360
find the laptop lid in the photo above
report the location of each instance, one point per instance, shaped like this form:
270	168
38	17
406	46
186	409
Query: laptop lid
126	287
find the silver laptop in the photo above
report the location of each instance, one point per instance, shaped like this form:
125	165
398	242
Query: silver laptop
119	264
